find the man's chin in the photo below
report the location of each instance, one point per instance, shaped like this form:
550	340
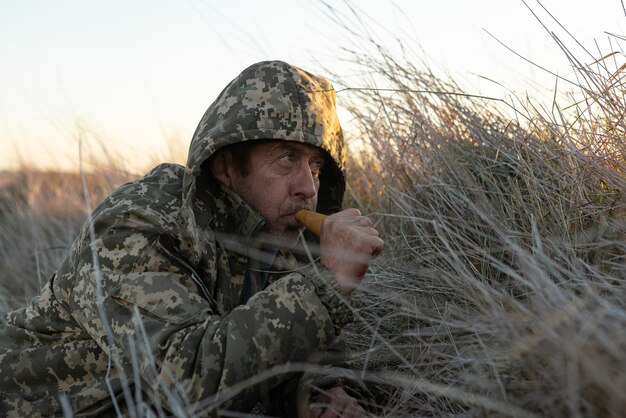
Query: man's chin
284	237
291	236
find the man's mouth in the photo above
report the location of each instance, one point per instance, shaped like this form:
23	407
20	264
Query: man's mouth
298	209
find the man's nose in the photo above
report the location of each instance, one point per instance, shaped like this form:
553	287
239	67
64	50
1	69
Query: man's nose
304	183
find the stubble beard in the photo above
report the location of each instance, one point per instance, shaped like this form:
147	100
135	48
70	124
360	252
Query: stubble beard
282	237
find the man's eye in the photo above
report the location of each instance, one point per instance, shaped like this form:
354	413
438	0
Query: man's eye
316	166
288	158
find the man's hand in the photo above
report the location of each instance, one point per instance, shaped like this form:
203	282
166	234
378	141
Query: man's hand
348	243
334	403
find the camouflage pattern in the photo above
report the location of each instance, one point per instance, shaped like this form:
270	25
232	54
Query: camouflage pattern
144	310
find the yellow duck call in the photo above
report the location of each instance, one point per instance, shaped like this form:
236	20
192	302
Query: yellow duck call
311	220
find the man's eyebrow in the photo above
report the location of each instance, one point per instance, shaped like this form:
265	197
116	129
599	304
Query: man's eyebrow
286	146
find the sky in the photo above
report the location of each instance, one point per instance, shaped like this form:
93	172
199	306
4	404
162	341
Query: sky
130	79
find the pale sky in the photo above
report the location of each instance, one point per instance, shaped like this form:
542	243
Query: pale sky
138	75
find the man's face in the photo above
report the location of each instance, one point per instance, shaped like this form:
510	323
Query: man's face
283	178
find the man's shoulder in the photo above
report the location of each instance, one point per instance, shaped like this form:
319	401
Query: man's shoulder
166	173
164	179
159	190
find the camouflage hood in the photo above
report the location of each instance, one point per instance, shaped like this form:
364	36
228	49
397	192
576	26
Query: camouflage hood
273	100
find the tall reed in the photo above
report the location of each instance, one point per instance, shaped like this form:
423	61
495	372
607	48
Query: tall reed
502	286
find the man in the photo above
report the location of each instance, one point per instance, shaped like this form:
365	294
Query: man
186	284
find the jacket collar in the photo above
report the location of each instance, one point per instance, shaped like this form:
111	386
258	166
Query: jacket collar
227	214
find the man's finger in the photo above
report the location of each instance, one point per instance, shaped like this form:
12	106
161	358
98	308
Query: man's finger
368	230
333	410
354	411
362	221
375	243
347	213
316	408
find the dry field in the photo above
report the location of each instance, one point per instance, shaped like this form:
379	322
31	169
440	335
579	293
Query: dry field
502	287
40	215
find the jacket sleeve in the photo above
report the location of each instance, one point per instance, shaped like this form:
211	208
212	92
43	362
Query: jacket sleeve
146	312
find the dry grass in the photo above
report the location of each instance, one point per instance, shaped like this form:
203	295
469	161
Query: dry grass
40	215
502	287
501	290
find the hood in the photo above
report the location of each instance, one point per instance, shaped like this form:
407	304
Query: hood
273	100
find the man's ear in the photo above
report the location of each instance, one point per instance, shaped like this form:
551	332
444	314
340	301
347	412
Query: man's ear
220	165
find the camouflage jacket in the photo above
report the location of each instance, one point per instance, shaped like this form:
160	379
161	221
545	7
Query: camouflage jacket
145	308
